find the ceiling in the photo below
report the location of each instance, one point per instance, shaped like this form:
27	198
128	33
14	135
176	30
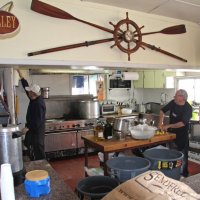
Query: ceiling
180	9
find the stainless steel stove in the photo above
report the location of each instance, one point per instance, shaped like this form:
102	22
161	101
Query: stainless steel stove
63	138
56	125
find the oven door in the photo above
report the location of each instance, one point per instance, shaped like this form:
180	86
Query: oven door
80	143
60	141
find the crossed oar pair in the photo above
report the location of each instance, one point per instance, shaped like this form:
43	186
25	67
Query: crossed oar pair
52	11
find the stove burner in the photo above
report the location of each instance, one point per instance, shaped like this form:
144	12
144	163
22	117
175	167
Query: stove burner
57	125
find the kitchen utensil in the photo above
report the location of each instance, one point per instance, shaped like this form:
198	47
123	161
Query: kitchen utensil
126	111
142	131
119	135
118	124
11	151
142	108
121	128
88	109
125	127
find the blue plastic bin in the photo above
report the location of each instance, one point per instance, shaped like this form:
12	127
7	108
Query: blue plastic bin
167	161
127	167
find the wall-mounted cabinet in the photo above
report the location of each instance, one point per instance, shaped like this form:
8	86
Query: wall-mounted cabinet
139	83
149	79
154	79
159	79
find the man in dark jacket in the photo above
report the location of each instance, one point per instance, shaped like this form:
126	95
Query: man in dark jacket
35	120
180	112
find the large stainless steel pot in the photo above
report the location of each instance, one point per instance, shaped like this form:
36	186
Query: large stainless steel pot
118	124
87	109
11	147
121	124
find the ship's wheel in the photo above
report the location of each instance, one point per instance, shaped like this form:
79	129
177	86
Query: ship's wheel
127	36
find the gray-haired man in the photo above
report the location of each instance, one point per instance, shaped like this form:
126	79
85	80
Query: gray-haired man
180	112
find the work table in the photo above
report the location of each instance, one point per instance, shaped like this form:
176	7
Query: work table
59	190
120	115
108	146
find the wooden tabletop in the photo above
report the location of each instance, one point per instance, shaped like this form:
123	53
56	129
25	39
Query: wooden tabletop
113	145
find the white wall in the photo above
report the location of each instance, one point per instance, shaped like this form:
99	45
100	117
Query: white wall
58	83
40	32
152	95
120	94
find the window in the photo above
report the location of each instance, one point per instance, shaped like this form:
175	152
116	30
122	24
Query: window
191	85
84	84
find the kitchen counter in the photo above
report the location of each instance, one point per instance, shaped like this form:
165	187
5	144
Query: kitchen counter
59	190
120	115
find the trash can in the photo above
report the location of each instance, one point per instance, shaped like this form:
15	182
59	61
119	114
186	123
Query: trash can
166	160
127	167
95	187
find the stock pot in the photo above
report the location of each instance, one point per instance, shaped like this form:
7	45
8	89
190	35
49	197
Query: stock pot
121	124
11	151
11	147
88	109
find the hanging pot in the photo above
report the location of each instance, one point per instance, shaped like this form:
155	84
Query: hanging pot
45	92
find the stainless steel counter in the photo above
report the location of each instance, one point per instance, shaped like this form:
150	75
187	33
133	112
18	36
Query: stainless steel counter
59	190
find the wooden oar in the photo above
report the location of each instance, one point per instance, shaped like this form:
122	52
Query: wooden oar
52	11
179	29
152	47
86	44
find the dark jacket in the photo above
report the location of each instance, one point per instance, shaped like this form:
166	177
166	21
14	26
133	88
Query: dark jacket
35	116
35	122
179	113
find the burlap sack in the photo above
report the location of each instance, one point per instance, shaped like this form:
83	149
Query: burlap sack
152	185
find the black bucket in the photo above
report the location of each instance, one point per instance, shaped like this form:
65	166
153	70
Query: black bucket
167	161
127	167
96	187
